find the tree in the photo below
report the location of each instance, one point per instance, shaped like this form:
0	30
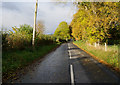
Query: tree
96	21
23	29
20	38
40	27
62	31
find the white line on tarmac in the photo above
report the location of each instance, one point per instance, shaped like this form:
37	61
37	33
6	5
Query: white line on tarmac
69	54
73	57
72	75
69	46
69	50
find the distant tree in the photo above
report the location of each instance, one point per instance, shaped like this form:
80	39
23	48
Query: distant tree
23	28
40	27
62	31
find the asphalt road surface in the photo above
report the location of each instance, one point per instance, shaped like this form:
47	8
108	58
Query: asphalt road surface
69	64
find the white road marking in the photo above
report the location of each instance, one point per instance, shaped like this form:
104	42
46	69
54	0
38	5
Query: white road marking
69	50
69	53
72	75
69	46
73	57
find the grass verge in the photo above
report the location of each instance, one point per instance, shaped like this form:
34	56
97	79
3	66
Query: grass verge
15	60
109	58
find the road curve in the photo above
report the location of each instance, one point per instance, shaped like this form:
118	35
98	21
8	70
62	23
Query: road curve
71	65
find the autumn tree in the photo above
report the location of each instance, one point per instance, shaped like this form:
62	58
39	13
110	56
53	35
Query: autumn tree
62	31
96	21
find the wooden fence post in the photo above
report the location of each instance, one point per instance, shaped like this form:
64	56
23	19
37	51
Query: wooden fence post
95	44
105	47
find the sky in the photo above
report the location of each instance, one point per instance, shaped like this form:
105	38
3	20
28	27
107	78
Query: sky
51	13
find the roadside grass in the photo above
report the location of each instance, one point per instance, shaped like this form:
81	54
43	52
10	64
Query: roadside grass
110	56
17	59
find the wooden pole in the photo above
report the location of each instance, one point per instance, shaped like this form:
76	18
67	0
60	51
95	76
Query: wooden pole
34	28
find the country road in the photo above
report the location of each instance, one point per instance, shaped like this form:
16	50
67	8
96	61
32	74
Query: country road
69	64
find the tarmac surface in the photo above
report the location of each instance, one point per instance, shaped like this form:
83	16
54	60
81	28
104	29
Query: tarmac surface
71	65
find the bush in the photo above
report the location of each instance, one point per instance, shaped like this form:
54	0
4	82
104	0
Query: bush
42	39
22	41
4	41
22	38
18	40
112	41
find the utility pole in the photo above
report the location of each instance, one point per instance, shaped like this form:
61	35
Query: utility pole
34	28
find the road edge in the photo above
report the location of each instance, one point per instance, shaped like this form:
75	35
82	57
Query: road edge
112	70
23	70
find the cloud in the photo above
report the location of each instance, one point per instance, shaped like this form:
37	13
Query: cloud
40	1
17	13
10	6
0	16
21	14
56	15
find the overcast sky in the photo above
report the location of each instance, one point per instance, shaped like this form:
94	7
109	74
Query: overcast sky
51	13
